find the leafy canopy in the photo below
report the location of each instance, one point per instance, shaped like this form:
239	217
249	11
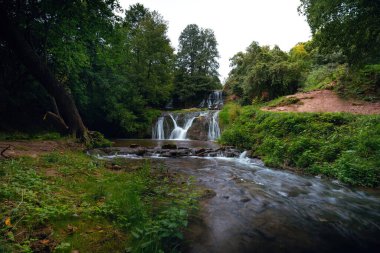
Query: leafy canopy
348	26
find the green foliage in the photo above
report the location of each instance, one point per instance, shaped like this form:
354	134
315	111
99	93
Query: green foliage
264	73
153	227
137	209
362	83
342	146
322	76
348	26
117	70
196	66
229	114
98	140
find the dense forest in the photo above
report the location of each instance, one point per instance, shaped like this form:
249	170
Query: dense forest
120	68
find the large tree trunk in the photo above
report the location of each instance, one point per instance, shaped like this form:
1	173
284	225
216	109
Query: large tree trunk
65	102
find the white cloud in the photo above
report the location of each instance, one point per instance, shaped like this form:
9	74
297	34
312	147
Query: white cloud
236	23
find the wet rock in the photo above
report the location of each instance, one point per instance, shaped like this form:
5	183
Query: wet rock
229	154
140	151
183	152
173	153
244	200
199	129
207	194
226	197
198	151
96	152
169	146
212	154
166	154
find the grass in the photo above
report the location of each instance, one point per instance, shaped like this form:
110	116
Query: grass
70	201
10	136
284	101
337	145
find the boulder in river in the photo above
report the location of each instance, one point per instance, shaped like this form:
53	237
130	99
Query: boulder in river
169	146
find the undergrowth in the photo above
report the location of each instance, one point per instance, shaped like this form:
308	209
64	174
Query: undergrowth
337	145
7	136
68	201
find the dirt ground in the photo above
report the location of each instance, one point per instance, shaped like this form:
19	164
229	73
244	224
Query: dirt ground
326	101
34	148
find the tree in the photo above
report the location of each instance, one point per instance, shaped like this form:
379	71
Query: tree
117	70
197	65
263	73
151	60
348	26
16	41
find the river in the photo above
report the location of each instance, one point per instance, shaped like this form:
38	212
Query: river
260	209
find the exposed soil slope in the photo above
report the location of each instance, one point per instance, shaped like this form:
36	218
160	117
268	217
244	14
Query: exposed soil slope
326	101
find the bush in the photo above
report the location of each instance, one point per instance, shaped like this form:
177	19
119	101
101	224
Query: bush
361	83
338	145
323	75
228	114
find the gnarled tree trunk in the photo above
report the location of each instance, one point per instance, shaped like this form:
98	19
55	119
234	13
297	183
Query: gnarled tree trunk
65	102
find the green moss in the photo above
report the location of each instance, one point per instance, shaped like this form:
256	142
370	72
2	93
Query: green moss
338	145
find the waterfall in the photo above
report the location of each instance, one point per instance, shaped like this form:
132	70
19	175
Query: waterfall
243	155
182	125
214	100
213	127
179	133
158	131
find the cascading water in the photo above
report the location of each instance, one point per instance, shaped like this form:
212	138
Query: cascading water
175	126
158	131
213	127
179	133
214	100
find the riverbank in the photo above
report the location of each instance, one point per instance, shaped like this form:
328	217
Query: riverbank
56	198
342	146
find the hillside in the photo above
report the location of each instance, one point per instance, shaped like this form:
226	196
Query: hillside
323	101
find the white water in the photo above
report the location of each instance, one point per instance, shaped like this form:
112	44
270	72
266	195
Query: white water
213	127
179	133
178	125
243	155
214	100
158	130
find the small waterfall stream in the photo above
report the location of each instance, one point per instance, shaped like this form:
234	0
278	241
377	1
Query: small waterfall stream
158	131
203	124
213	127
179	133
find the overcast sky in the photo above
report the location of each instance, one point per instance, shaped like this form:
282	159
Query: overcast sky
236	23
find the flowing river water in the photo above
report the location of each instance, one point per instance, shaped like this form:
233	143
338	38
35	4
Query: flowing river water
260	209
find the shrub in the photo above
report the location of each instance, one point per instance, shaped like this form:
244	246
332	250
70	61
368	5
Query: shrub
338	145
